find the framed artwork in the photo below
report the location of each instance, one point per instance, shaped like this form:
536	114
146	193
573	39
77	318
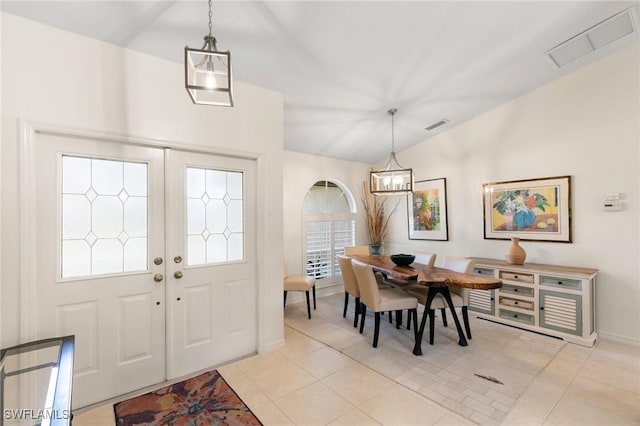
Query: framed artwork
532	210
427	210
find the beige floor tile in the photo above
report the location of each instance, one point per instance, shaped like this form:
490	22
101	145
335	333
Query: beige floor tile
537	401
270	415
357	384
315	404
399	406
323	362
354	417
299	344
453	419
258	363
622	403
247	390
281	378
100	416
571	411
611	375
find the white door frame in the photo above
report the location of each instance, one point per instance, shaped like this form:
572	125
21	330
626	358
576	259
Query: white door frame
28	239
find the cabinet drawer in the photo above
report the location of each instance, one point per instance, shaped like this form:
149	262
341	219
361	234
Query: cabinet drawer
484	271
559	282
514	289
516	303
516	316
516	276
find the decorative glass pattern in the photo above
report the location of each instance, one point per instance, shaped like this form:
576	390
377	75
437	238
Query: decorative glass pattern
104	217
215	218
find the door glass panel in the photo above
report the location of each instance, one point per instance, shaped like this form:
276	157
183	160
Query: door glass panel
104	217
215	223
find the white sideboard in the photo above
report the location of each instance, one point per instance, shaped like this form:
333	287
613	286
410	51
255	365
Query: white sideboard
549	299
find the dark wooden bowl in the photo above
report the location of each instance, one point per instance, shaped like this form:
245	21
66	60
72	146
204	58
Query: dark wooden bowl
402	259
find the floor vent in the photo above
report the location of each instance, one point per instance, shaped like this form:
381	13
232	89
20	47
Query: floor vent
596	37
489	378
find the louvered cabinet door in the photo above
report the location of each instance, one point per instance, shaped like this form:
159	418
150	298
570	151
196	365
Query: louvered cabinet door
561	311
482	301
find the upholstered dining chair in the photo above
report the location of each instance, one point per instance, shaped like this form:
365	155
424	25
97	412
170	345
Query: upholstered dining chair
357	250
381	300
350	287
299	283
459	295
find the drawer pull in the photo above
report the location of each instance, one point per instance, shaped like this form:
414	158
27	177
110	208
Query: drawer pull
559	282
515	276
515	302
515	316
542	308
515	289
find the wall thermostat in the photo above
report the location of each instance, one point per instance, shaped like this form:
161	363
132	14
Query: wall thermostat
612	206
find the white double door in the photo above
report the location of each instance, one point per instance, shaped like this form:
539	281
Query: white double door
147	256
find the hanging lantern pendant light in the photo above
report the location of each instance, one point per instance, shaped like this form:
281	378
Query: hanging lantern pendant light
392	179
207	72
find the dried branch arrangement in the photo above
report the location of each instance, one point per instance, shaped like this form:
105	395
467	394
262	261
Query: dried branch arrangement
377	220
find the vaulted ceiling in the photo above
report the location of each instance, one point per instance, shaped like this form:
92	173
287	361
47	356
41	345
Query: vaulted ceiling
342	64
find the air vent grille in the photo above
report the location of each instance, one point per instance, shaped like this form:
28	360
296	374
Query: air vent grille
596	37
438	124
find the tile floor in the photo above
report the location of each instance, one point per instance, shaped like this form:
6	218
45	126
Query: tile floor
327	373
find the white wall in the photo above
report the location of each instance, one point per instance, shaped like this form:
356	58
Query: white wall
587	125
300	172
66	80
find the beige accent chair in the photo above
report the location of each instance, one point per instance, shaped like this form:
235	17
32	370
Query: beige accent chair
351	286
459	295
381	300
300	283
357	250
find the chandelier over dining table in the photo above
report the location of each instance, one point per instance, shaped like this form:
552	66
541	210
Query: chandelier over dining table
393	179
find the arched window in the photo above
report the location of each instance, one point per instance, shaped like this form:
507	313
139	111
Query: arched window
329	220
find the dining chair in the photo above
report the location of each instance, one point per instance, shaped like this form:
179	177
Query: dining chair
357	250
380	300
459	295
299	283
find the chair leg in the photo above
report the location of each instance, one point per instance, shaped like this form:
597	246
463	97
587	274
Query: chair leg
346	302
376	331
390	318
357	312
465	318
432	324
398	319
314	297
409	320
363	315
308	304
413	313
444	317
285	298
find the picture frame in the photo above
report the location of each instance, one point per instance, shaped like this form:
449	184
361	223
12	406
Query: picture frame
427	210
532	209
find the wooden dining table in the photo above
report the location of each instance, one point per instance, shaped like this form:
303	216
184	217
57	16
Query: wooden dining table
437	280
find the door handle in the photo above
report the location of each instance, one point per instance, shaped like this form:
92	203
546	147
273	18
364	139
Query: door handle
177	274
158	277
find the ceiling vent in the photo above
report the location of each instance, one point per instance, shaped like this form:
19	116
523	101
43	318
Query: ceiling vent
438	124
600	35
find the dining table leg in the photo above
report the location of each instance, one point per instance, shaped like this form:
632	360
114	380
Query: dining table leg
431	293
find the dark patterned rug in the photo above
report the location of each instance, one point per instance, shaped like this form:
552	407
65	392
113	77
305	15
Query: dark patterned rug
203	400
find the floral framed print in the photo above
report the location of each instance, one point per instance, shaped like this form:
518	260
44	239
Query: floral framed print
427	210
532	210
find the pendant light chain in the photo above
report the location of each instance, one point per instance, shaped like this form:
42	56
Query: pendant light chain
393	139
210	18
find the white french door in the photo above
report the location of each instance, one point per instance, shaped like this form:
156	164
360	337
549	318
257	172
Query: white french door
123	262
212	275
99	222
